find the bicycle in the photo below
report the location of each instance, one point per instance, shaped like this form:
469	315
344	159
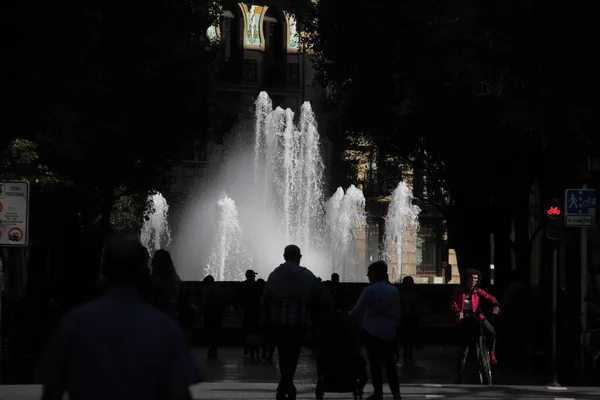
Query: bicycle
481	347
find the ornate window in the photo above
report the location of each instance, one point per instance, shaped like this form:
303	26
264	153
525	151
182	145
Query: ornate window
254	38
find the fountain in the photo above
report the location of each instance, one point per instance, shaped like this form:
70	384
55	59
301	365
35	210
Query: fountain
346	219
274	172
229	258
288	159
156	233
401	228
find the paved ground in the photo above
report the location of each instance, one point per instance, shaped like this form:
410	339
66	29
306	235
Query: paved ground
256	391
433	364
232	376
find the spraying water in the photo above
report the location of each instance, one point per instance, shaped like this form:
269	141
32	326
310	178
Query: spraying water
290	160
401	228
275	175
345	217
229	258
274	172
156	233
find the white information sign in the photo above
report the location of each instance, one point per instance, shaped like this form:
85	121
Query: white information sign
14	213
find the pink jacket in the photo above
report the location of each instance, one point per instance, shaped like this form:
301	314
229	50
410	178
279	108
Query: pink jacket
457	303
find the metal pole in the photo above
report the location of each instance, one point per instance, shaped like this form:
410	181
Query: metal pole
554	316
583	297
1	290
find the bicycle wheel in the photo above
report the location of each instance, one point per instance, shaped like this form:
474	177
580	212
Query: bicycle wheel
485	367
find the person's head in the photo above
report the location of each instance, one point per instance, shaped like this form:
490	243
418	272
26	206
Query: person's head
261	283
471	278
209	279
250	275
408	283
378	271
162	263
125	261
335	278
292	254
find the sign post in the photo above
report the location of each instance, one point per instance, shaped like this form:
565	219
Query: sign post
14	222
14	213
580	206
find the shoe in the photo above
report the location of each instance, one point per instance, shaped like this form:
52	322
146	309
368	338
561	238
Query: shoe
493	357
396	396
375	396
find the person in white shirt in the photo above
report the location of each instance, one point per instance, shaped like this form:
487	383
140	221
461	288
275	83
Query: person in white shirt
379	306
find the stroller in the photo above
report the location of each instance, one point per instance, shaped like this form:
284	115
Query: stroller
341	367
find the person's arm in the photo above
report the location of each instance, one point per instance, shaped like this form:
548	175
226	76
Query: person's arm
456	308
361	305
454	300
491	299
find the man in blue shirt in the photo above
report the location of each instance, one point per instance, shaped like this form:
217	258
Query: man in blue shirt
118	347
379	305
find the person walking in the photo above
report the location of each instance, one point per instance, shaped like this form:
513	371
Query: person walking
379	306
291	293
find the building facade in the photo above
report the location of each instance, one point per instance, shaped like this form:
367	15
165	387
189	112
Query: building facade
259	51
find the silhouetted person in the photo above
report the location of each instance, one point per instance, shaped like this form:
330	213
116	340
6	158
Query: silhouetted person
213	310
409	306
250	300
337	293
266	330
166	283
335	278
289	292
118	347
448	273
379	305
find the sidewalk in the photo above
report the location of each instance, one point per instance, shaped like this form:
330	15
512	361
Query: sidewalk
433	365
256	391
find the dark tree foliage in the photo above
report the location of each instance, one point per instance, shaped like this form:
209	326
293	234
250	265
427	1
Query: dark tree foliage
485	97
110	93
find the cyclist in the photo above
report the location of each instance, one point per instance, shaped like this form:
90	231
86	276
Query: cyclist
465	303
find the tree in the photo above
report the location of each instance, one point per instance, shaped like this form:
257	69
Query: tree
110	93
495	71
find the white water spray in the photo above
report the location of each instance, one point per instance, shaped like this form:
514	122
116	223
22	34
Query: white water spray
346	218
156	233
229	258
401	229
